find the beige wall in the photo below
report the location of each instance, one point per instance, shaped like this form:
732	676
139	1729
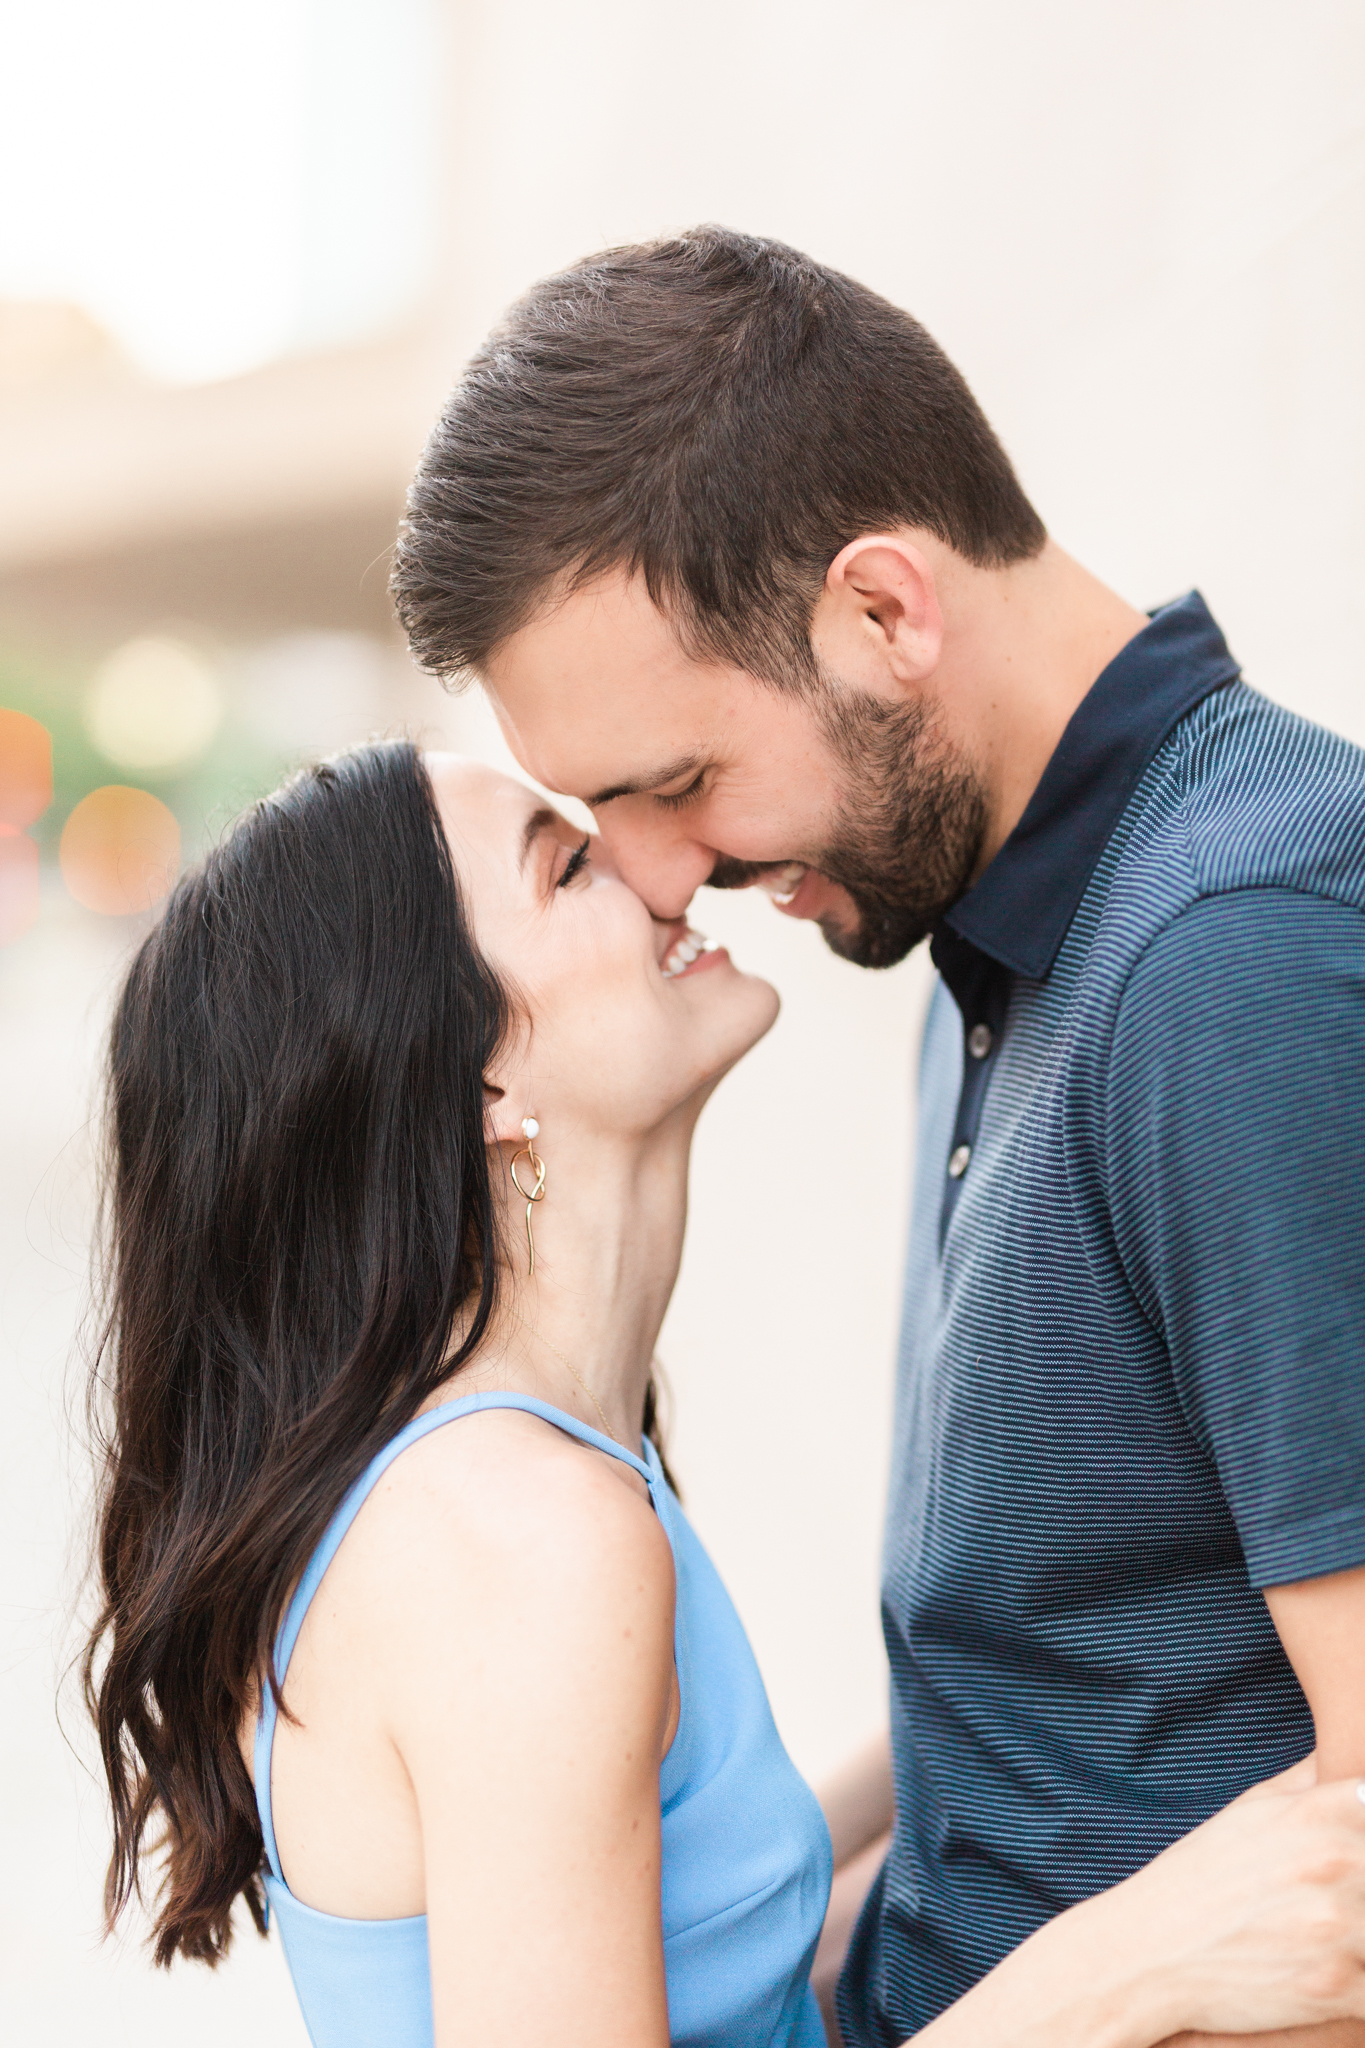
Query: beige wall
1141	231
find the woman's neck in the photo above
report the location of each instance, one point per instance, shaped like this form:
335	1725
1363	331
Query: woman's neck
579	1333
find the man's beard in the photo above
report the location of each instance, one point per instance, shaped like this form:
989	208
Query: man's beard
912	820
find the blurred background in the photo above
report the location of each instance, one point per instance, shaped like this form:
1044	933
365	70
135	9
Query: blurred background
243	252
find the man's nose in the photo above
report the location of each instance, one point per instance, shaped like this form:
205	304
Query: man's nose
665	869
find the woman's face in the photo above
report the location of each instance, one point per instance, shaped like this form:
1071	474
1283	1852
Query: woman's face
630	1020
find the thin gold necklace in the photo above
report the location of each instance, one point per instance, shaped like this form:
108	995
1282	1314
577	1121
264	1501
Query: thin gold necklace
577	1375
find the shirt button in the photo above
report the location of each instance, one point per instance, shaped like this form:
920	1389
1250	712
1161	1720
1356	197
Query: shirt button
957	1164
980	1039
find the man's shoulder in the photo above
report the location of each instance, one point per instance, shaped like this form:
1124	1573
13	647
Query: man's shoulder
1261	798
1241	859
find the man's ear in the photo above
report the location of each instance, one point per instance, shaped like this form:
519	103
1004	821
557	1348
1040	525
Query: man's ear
877	621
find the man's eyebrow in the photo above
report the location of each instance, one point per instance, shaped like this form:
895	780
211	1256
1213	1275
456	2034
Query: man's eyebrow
531	831
640	785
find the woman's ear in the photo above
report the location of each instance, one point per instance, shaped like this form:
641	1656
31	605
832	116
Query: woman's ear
504	1109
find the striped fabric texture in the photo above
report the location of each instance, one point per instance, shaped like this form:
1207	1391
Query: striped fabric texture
1132	1370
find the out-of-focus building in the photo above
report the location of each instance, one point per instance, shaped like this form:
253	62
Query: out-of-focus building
246	522
221	458
261	504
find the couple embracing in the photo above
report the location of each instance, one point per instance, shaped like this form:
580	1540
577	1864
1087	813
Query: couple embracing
406	1641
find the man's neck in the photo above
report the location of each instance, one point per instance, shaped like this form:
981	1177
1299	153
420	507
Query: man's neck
1022	647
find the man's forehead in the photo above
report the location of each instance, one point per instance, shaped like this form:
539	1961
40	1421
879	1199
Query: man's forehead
608	626
570	742
599	722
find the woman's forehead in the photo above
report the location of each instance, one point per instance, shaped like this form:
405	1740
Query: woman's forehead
488	817
479	798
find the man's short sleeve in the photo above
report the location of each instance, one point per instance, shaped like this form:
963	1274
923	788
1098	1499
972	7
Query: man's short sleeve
1235	1158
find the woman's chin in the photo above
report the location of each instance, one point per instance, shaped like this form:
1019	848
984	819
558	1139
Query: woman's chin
769	1005
750	1011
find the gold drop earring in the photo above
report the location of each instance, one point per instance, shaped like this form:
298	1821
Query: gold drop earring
531	1131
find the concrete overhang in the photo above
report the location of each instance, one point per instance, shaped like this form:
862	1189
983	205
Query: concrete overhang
258	503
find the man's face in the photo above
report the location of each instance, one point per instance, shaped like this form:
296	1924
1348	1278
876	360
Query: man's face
850	810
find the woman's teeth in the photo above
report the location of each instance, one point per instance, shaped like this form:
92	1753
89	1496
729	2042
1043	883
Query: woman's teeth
685	950
782	883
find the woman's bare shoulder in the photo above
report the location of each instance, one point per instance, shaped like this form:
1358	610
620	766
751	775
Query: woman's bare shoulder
505	1502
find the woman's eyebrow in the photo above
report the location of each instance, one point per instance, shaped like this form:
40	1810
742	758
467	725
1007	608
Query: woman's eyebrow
531	831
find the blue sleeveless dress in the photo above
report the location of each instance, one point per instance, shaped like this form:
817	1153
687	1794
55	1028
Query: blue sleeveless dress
746	1855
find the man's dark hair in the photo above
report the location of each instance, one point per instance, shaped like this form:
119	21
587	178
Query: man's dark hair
715	411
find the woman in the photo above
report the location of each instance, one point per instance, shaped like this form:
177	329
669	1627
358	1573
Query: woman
405	1637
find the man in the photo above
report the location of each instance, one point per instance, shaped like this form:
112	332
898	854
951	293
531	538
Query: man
742	565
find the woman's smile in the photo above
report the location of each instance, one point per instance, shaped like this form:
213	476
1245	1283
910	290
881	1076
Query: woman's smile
690	953
554	914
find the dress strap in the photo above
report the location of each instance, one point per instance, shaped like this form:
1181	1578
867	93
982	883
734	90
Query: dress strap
420	1426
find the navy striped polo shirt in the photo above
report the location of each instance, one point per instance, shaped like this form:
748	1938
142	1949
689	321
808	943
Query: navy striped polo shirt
1131	1388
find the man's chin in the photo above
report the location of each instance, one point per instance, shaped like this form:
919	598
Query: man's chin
834	911
873	937
857	928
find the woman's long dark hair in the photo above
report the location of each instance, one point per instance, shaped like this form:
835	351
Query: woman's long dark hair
300	1210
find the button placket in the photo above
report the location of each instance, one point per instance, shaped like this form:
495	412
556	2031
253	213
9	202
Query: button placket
980	1049
980	987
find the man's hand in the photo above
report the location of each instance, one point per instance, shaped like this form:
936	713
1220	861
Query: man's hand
1331	2034
1252	1920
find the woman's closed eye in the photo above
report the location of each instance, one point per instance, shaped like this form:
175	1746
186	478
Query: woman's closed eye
576	862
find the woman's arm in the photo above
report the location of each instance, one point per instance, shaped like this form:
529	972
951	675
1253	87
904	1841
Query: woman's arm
859	1799
859	1805
1254	1921
530	1705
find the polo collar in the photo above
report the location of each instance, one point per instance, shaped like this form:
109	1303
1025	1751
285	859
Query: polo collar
1021	908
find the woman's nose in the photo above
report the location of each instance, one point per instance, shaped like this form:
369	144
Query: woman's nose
664	869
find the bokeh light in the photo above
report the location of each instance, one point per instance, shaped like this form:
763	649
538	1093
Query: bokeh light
25	770
25	793
154	705
120	850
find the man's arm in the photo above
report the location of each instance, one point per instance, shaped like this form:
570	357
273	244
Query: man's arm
1321	1623
1236	1122
1086	1983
